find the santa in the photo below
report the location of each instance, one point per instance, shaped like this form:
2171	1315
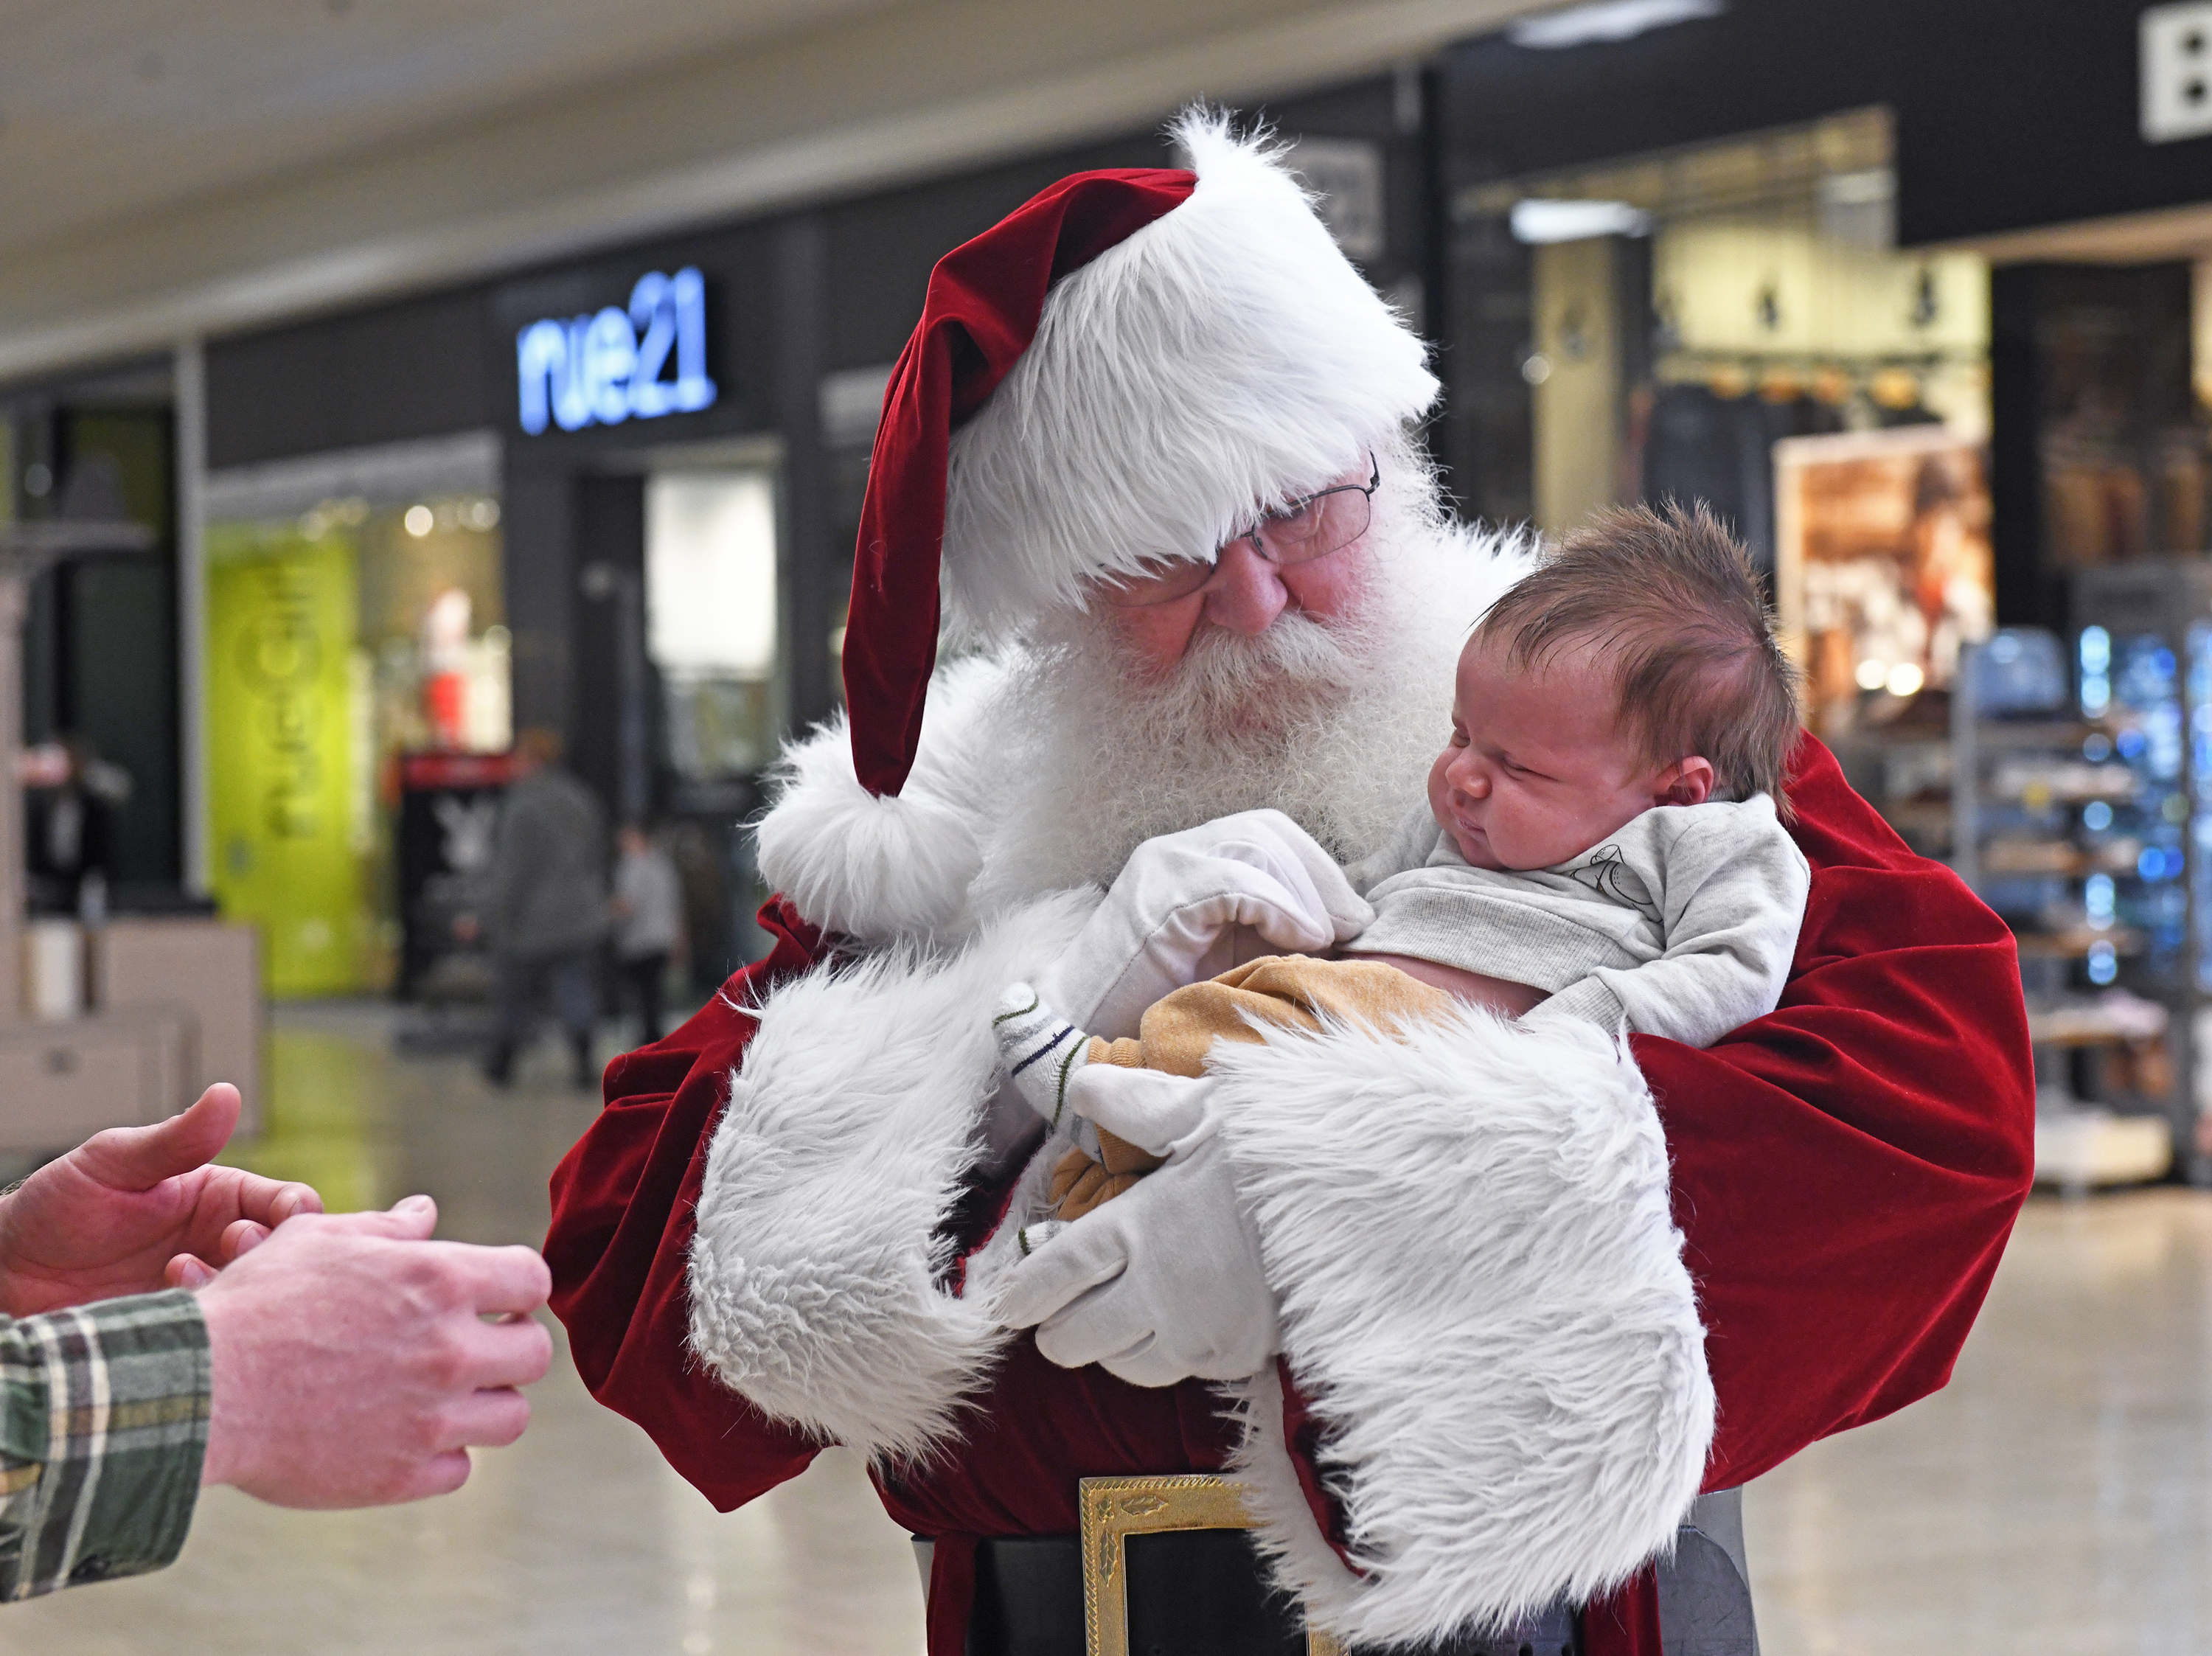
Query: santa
1467	1318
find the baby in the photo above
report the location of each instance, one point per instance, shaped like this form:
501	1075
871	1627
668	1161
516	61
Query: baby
1601	839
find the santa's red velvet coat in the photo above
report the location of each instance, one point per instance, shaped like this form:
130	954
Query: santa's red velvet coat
1523	1273
1845	1172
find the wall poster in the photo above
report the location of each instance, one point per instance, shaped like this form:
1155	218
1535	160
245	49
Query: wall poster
1882	565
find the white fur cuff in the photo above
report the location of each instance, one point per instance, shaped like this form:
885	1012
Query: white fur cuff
815	1269
1484	1302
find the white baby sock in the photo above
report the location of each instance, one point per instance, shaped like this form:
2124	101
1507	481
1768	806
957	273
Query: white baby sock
1039	1048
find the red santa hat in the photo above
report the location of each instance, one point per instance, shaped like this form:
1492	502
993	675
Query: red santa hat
1119	371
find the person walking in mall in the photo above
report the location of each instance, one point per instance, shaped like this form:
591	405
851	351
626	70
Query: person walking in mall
166	1324
545	906
648	910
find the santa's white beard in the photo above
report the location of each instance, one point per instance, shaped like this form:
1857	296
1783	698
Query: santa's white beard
1334	723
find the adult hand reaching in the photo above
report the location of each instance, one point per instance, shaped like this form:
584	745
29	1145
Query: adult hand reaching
352	1363
133	1209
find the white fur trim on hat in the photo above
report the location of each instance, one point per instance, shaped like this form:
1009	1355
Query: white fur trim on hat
1225	355
901	866
873	868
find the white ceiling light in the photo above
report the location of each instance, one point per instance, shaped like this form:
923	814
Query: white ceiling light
1606	21
1539	221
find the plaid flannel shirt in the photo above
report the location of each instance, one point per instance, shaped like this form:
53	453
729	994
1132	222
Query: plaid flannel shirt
103	1426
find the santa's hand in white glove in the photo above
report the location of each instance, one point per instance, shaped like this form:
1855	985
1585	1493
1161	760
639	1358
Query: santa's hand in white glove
1164	1282
1176	897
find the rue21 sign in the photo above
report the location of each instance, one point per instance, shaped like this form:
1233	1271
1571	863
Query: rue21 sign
620	364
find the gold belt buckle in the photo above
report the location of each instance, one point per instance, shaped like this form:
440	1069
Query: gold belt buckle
1114	1508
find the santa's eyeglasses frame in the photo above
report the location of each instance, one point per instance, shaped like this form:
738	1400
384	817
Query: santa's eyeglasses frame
1298	531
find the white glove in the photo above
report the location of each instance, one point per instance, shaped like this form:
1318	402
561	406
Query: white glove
1178	893
1165	1282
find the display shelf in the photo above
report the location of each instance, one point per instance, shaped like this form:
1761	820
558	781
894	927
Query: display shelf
2071	791
2037	783
1917	818
1904	773
2074	1037
2057	734
2081	1149
2022	786
2032	857
2002	856
2120	941
2115	1016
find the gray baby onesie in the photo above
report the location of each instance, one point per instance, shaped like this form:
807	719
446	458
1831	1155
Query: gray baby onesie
1682	924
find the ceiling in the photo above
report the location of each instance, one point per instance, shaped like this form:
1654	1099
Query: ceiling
112	107
168	171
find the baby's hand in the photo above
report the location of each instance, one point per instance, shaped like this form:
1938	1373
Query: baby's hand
1078	1185
1040	1052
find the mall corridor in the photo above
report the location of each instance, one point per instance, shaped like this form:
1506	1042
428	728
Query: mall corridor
530	506
2057	1496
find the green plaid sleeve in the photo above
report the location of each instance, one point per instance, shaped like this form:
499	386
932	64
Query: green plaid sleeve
103	1425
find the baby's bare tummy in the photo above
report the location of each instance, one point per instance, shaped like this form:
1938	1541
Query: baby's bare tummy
1498	994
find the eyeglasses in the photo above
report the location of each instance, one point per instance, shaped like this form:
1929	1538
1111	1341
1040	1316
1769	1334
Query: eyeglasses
1312	526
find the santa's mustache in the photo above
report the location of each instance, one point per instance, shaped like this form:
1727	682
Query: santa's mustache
1330	719
1333	719
1233	686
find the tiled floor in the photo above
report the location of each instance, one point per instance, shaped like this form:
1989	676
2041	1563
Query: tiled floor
577	1542
2058	1497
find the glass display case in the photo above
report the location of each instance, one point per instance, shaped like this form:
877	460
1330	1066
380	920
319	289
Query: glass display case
2071	787
2143	654
2084	799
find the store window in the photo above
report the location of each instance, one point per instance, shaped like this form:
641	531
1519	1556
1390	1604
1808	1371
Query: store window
432	612
1733	322
2120	412
710	552
100	684
852	400
288	709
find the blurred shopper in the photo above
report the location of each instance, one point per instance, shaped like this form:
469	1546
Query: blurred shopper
345	1363
74	796
648	910
545	906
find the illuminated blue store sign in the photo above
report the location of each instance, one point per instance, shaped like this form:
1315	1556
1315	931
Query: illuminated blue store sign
640	363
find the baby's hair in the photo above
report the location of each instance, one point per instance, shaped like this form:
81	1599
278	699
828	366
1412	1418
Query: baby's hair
1674	613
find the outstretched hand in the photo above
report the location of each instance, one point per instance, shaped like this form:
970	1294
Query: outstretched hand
136	1209
355	1360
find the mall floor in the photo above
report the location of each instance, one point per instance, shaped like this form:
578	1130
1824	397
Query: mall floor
2057	1497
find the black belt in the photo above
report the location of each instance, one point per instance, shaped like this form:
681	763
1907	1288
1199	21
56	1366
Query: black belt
1190	1593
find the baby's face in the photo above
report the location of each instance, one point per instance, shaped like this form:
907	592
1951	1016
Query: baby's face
1538	769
